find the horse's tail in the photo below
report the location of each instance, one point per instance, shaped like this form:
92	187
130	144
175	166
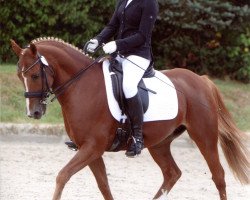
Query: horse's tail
231	139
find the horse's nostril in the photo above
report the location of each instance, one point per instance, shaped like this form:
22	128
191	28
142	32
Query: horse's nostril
37	114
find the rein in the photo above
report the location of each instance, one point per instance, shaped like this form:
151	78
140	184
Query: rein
60	89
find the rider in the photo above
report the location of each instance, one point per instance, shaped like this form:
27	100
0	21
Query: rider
131	25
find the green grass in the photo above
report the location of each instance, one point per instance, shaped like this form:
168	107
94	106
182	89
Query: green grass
12	103
237	99
7	68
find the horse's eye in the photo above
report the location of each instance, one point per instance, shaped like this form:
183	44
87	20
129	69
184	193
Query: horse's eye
35	76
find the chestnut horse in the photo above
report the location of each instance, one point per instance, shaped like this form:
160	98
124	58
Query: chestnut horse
91	126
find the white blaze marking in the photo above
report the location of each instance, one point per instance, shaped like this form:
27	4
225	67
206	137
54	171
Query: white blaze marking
27	99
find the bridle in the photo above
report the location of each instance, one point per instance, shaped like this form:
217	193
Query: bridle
46	90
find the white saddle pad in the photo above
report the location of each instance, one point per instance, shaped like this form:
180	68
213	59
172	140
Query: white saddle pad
162	106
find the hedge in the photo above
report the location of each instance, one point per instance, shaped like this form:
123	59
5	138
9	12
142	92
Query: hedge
208	37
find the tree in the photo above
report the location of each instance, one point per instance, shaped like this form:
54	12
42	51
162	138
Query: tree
201	35
74	21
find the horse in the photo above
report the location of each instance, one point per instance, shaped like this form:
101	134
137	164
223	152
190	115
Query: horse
89	124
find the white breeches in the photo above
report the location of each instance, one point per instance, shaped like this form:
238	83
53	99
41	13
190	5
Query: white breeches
132	74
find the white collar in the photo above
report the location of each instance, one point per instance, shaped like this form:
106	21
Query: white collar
129	1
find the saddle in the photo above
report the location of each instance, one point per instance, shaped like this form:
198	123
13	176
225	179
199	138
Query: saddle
115	69
124	131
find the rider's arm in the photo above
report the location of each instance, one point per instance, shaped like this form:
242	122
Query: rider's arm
111	29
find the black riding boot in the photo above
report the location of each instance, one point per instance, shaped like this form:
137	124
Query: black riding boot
135	114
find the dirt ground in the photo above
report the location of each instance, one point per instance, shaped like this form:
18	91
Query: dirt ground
29	164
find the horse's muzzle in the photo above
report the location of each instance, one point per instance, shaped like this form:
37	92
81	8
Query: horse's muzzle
37	112
36	115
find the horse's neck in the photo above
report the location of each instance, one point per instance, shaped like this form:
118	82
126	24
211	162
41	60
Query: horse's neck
67	66
84	99
65	63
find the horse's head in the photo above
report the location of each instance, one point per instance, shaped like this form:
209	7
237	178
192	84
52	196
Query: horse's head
36	76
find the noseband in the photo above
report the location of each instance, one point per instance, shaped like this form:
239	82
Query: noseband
46	91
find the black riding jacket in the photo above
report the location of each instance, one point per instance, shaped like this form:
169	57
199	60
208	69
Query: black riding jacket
132	27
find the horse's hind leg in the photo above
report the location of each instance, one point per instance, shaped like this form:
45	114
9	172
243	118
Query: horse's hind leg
206	137
99	171
163	157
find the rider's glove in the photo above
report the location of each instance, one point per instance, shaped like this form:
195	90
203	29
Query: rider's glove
110	47
92	45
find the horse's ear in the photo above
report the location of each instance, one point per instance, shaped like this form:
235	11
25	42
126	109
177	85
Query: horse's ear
16	48
33	48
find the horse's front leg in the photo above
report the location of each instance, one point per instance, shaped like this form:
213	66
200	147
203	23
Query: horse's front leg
85	155
99	170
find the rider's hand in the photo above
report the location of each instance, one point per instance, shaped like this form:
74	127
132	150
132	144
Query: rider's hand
110	47
93	44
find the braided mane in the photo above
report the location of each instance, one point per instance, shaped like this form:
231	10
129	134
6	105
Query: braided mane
53	39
